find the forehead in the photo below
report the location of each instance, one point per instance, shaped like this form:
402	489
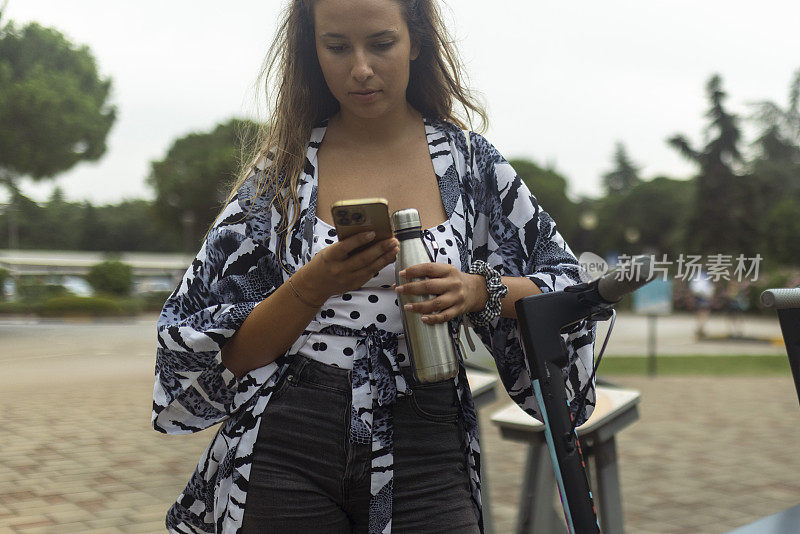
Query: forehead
353	18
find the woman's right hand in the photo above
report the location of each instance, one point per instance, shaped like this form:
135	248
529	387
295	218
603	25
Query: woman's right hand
333	271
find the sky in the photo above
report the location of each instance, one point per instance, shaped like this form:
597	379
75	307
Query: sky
562	81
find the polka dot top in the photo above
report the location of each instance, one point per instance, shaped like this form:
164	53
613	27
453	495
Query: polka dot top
374	304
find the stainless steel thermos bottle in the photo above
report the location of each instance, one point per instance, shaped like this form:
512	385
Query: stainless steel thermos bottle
431	347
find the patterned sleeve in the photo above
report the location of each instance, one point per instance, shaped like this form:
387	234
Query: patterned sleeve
523	241
231	274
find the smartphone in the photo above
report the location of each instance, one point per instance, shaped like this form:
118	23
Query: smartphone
352	217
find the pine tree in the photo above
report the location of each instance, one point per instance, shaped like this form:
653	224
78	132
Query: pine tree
722	220
625	175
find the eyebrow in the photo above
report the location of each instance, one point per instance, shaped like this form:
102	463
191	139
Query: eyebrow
374	35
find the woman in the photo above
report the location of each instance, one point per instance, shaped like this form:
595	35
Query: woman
297	347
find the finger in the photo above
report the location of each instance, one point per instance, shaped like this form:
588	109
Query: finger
346	246
373	255
432	306
388	258
372	269
441	317
354	246
429	286
433	270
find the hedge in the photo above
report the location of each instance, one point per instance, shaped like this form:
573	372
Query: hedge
72	306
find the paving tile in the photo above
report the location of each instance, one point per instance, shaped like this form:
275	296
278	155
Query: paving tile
707	455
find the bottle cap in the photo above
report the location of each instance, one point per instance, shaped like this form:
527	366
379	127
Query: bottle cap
405	220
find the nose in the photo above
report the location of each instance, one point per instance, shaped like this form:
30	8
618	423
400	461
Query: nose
362	70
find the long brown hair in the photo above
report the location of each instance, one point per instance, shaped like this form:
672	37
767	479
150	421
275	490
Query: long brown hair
301	98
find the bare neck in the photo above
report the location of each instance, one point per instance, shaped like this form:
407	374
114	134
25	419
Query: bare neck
383	131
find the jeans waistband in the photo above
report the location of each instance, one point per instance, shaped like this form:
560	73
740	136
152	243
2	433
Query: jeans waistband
411	380
303	368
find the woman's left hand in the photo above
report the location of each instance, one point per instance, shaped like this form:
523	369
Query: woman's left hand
455	292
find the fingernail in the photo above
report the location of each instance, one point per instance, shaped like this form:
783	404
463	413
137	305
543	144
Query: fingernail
402	273
369	236
425	318
407	307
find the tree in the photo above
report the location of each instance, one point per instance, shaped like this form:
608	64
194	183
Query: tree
25	210
550	190
625	175
93	234
190	181
54	109
722	220
783	124
648	218
783	238
129	226
59	221
60	225
776	167
111	277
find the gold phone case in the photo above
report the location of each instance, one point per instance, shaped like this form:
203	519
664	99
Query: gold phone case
352	217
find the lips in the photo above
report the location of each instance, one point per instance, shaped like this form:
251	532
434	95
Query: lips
365	96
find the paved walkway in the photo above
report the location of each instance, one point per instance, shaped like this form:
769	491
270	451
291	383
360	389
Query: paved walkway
77	453
675	335
706	456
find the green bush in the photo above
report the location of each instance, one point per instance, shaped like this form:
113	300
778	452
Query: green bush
111	277
67	305
131	305
154	301
18	307
37	291
70	305
4	274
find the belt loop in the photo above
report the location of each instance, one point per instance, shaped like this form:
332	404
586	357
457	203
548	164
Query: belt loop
295	368
302	365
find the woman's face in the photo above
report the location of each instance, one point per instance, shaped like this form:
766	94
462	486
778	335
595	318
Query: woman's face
364	49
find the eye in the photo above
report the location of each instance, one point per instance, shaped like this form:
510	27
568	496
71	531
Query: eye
336	48
384	45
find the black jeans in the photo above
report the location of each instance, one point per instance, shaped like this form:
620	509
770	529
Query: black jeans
308	478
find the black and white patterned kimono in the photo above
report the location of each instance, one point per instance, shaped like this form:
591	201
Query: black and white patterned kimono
494	218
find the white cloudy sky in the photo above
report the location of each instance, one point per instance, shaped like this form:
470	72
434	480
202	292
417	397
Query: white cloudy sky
563	80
